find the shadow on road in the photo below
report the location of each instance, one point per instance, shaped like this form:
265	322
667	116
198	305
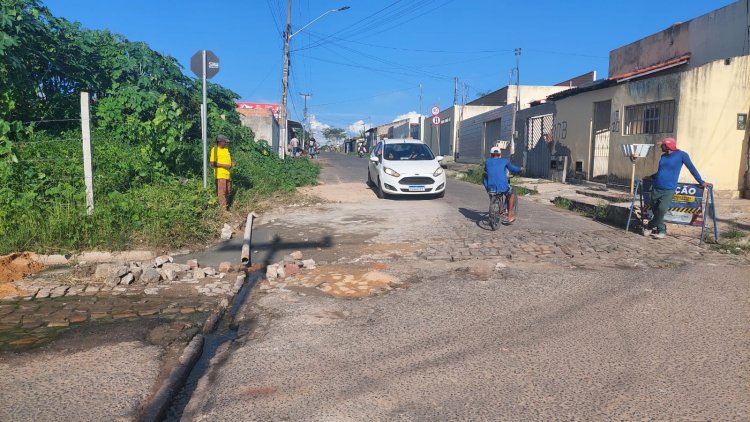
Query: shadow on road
477	217
277	244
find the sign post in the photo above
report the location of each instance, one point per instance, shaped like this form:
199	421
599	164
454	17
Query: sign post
690	206
205	65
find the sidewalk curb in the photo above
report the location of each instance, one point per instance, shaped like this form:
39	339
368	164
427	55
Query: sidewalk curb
612	214
157	405
155	408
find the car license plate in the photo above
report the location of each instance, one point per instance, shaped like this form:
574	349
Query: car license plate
416	188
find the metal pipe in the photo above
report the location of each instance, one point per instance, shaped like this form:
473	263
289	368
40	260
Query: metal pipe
245	256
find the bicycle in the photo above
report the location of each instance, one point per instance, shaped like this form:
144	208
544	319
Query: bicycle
499	208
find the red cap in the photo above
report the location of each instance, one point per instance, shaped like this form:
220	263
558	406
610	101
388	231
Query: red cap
670	143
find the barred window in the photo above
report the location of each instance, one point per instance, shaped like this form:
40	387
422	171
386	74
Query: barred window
649	118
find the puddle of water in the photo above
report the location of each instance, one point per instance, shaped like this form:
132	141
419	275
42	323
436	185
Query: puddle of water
225	332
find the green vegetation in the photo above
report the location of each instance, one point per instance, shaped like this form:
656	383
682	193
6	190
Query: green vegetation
563	203
475	174
145	134
733	241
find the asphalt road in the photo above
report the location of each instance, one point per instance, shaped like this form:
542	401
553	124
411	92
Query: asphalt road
485	338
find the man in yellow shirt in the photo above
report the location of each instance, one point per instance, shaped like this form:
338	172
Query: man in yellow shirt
222	162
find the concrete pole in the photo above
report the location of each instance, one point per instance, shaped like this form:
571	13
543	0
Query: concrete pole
284	83
88	175
304	113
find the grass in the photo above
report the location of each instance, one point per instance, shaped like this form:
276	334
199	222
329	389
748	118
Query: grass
734	241
475	174
563	203
171	213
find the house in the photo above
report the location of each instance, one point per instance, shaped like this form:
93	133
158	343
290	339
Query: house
263	119
489	119
690	81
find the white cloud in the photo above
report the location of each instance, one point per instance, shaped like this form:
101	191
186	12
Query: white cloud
356	128
413	117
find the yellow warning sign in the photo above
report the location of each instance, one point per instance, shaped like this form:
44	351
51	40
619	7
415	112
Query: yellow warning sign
683	198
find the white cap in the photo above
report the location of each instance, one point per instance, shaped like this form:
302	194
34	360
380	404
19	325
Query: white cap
495	150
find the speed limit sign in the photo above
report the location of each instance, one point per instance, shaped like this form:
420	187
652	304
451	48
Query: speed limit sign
435	110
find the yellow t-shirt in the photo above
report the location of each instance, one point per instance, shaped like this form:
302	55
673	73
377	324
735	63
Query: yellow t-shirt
220	156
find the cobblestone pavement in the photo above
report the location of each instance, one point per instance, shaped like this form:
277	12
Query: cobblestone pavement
51	302
554	317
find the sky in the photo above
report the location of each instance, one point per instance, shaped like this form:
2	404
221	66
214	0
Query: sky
382	60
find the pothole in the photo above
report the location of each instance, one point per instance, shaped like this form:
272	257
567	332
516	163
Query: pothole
342	281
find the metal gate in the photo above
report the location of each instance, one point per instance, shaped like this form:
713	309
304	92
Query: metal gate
491	136
600	152
538	154
446	135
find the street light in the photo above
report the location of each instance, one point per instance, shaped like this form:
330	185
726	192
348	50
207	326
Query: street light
288	34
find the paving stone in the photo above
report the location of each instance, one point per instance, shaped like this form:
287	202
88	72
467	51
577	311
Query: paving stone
161	260
150	275
291	269
123	315
78	317
53	324
127	279
225	267
103	271
91	290
58	291
100	315
148	311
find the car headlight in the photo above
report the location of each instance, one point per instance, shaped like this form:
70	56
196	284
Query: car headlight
391	172
438	172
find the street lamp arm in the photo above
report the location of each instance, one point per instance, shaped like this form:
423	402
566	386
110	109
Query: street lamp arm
312	21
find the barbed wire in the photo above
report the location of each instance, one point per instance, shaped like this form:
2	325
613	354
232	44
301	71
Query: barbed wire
47	160
51	121
42	141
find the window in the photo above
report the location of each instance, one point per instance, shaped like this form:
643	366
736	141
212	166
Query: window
649	118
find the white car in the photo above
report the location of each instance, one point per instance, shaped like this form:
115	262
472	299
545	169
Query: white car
405	167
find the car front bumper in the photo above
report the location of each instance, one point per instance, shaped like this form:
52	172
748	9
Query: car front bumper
412	185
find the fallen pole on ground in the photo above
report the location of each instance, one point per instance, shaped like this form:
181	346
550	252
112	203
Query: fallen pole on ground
245	256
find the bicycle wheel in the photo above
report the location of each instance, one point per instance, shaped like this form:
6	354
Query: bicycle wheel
494	213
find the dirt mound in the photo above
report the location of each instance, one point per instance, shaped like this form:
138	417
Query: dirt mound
17	265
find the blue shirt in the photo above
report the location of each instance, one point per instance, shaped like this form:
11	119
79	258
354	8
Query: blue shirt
669	170
495	179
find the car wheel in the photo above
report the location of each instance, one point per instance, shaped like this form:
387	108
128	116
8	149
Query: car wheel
379	190
441	194
369	179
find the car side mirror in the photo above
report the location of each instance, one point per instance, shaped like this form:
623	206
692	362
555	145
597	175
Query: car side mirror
439	158
375	159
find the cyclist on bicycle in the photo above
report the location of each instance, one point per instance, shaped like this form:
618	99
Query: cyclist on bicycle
496	180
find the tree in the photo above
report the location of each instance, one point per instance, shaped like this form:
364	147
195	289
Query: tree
334	133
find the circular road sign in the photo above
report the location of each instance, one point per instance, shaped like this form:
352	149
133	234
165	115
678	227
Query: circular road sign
436	120
212	64
435	110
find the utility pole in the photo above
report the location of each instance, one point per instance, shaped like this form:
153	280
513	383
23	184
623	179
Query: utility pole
420	99
455	90
304	116
283	135
288	34
517	53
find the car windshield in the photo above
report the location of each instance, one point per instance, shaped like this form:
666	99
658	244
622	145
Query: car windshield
414	152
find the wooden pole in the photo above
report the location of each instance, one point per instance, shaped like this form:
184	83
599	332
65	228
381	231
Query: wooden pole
88	175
